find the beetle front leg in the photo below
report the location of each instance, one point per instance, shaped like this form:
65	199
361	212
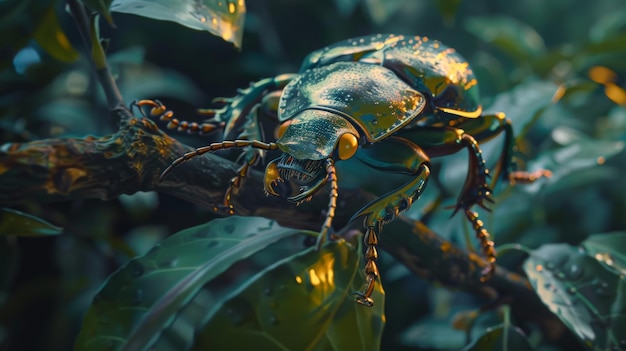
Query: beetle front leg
251	157
392	155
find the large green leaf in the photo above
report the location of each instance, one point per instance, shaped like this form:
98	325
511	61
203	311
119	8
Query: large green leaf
143	296
224	18
301	303
16	223
588	297
168	299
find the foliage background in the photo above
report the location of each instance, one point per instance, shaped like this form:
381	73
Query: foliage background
48	283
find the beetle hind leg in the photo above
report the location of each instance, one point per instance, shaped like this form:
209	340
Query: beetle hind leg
392	155
506	163
487	245
475	191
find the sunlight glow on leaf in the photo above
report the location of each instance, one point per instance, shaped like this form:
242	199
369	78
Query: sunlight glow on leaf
224	18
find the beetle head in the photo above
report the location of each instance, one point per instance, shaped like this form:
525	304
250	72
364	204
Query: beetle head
307	140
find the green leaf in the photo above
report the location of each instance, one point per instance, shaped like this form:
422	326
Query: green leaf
589	298
301	303
609	249
17	223
52	39
501	338
517	39
524	104
567	162
506	338
169	298
224	18
143	296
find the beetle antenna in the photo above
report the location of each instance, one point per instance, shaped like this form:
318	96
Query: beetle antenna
215	147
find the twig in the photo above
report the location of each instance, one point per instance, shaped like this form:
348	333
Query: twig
89	35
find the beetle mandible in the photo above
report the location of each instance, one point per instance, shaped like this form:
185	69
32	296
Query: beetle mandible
398	100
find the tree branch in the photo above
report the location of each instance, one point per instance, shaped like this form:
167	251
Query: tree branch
131	160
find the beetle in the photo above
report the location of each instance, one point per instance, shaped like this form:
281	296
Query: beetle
393	102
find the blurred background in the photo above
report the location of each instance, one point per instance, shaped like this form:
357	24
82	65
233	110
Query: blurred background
523	52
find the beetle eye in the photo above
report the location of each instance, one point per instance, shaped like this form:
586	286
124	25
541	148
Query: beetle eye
282	128
347	146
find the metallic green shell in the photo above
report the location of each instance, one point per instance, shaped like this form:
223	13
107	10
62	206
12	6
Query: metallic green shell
428	66
370	96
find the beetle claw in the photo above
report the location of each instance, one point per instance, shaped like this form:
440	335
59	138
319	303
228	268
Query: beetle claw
272	177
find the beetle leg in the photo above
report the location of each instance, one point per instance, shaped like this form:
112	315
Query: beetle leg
476	191
251	156
157	109
393	154
255	144
488	127
235	114
487	245
371	269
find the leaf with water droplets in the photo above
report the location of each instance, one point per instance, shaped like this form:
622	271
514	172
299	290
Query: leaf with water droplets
224	18
17	223
587	296
609	249
141	300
